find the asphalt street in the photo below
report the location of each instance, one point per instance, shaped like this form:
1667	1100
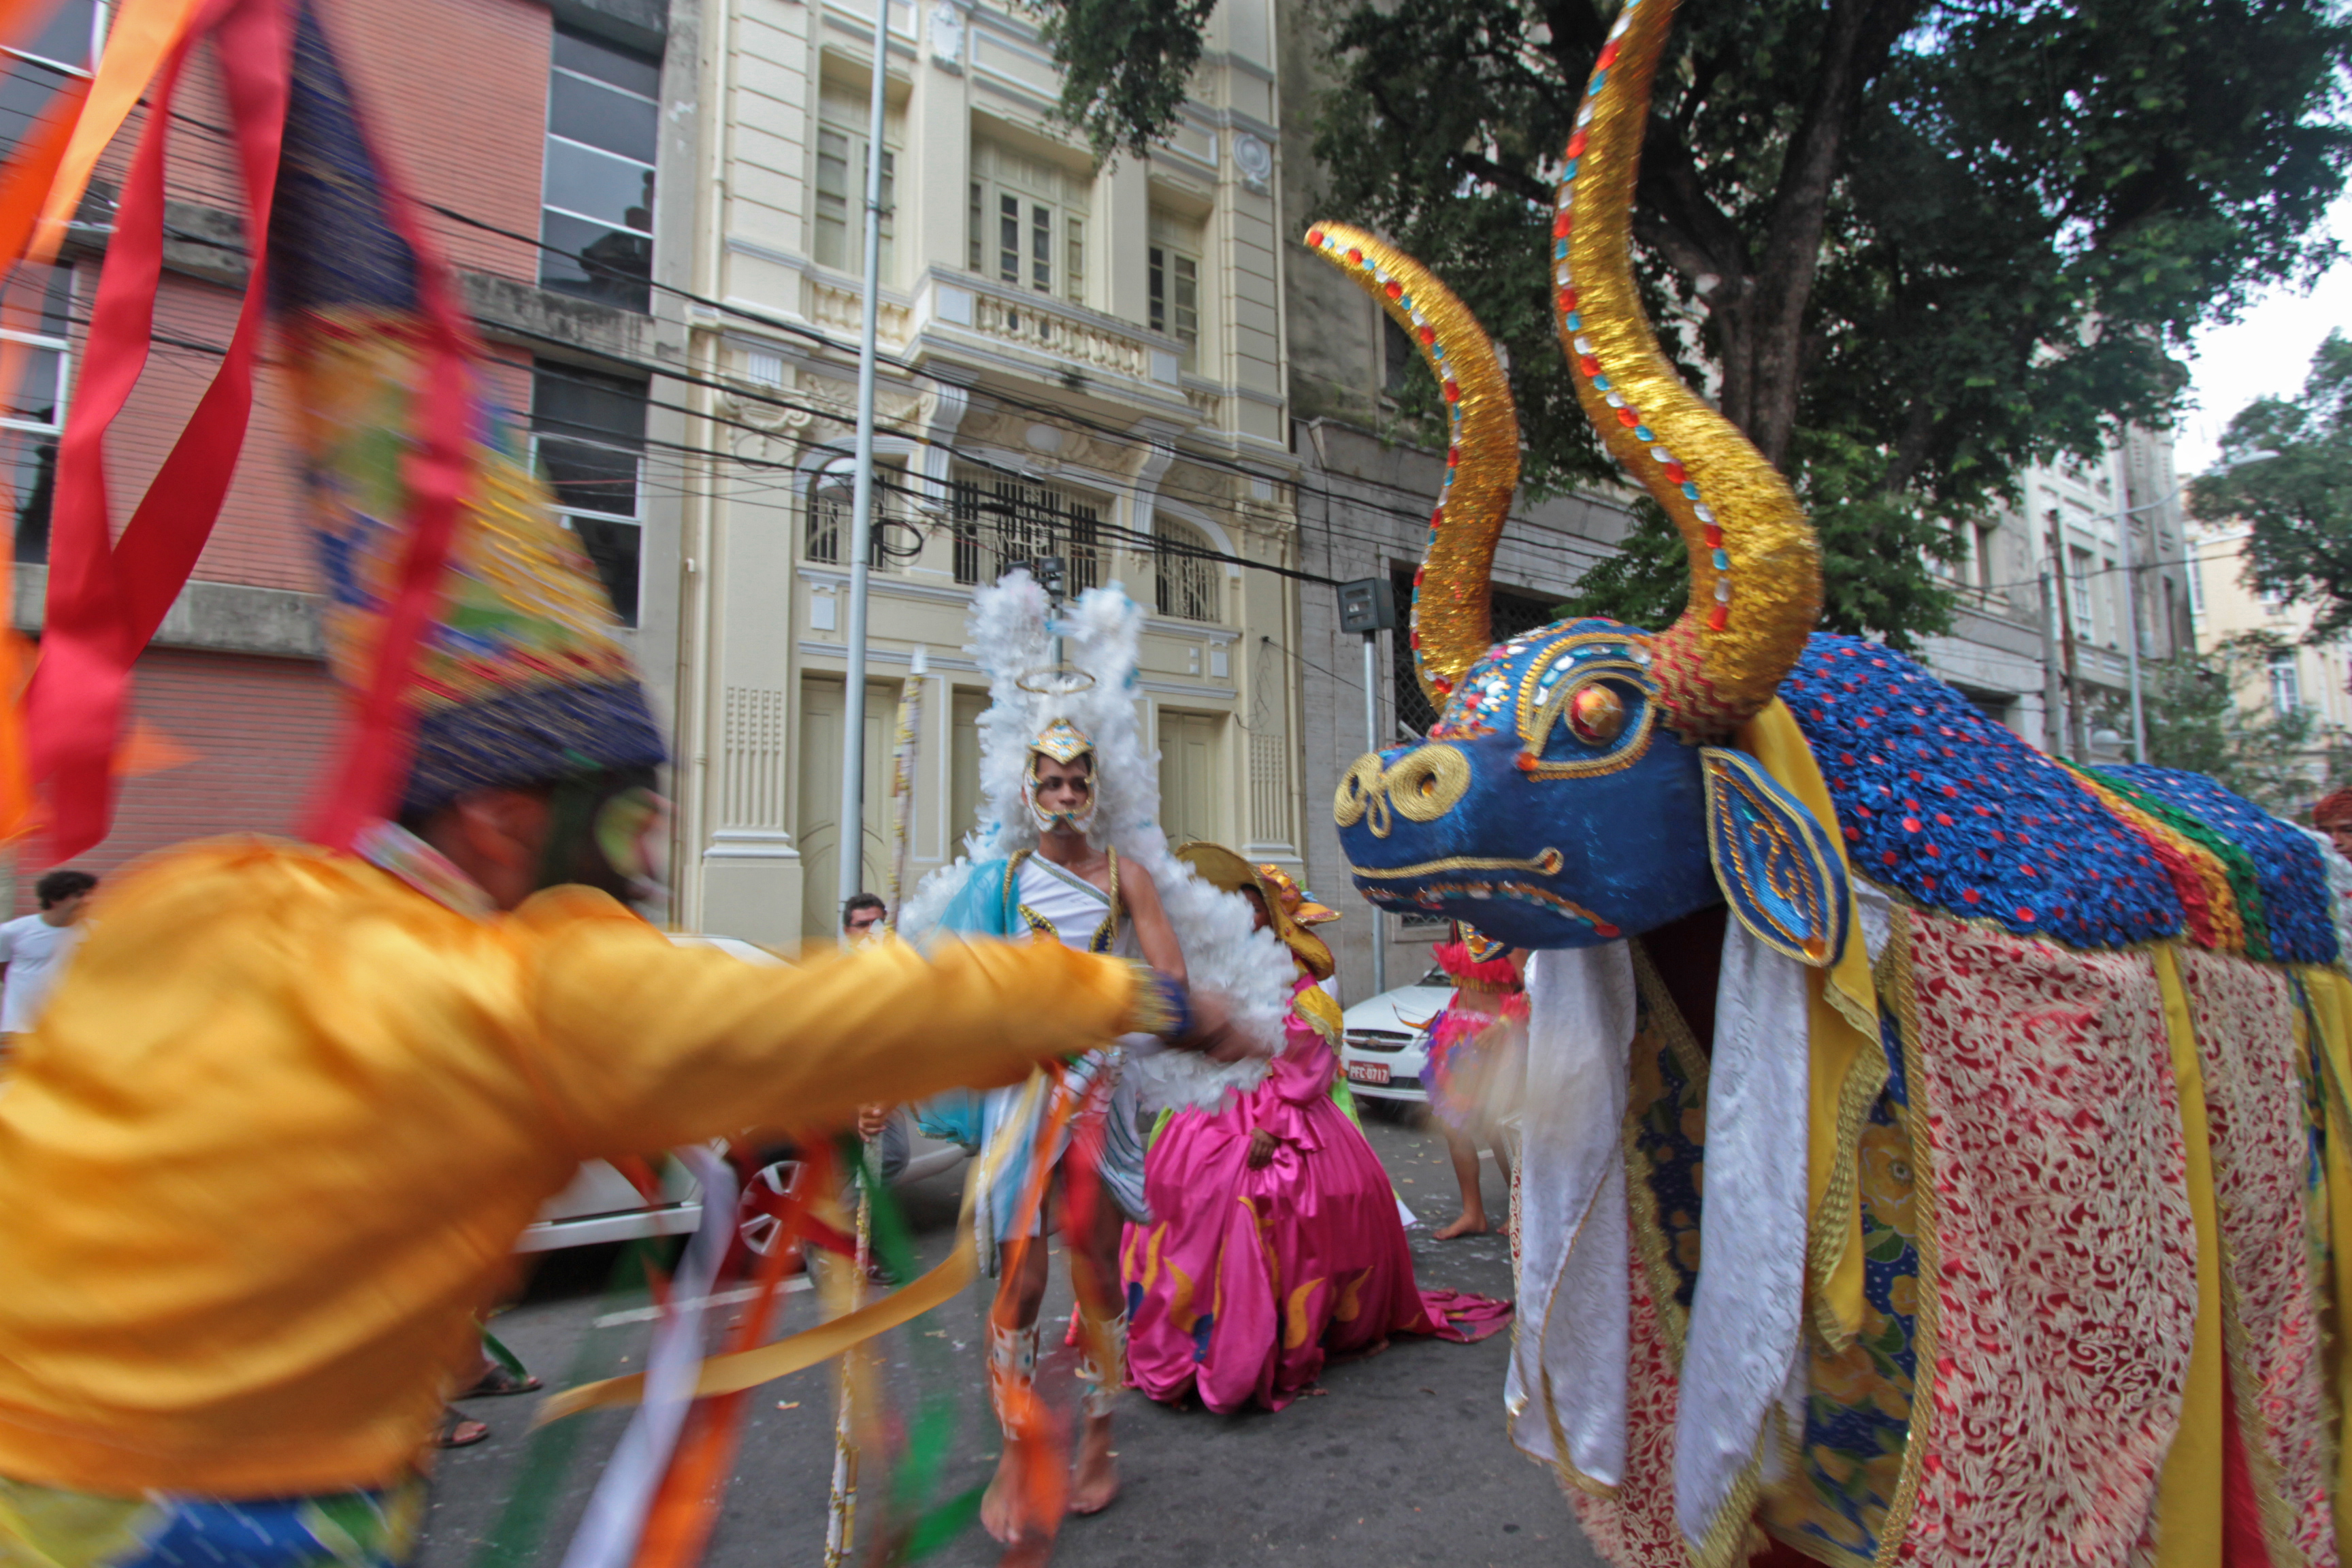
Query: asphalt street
1398	1458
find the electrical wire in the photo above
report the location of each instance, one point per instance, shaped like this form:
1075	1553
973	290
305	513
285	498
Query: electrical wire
1417	513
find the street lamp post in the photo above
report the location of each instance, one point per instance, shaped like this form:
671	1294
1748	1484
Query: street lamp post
852	853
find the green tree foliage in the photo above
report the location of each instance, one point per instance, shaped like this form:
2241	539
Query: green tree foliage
2286	472
2195	721
1125	65
1918	244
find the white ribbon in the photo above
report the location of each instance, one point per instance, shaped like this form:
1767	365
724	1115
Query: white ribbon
616	1517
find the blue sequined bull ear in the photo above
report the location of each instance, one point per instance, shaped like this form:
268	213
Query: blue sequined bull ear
1779	870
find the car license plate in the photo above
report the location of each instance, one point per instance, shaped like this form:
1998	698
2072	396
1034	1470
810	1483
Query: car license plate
1368	1073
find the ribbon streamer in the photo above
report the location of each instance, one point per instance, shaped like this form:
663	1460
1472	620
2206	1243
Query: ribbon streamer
748	1369
616	1520
106	597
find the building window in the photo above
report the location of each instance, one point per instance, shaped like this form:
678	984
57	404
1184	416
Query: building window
1176	300
833	506
1190	582
2286	686
1000	522
2196	585
1027	223
588	433
839	241
1173	264
2078	588
64	48
1398	356
1988	543
604	129
35	415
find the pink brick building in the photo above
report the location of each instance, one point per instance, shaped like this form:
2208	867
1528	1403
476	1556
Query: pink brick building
545	129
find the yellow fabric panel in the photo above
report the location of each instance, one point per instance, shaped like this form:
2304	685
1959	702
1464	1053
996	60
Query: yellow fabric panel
1847	1063
2331	1005
2189	1493
270	1147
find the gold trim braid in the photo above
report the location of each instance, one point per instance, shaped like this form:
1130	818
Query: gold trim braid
1897	984
1756	569
1451	628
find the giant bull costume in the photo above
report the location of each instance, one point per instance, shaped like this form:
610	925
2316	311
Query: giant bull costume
1933	1152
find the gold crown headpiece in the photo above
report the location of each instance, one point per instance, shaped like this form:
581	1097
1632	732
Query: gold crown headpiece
1061	741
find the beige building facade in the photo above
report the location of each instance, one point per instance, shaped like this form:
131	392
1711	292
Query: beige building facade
2061	555
1075	362
2298	677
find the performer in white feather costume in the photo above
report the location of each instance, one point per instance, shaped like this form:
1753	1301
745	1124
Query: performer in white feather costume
1068	848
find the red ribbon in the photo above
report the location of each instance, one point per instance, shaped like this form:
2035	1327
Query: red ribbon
106	598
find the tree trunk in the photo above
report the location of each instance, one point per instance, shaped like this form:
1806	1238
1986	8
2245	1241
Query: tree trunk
1757	309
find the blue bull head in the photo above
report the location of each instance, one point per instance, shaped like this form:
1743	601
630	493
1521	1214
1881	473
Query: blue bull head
1547	806
1550	807
1577	787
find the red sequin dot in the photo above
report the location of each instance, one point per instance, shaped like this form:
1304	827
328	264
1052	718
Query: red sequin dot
1576	145
1605	929
1453	456
1628	418
1715	541
1971	894
1453	392
1720	619
1674	474
1561	224
1428	335
1567	299
1315	236
1589	366
1910	824
2025	914
1608	56
1394	290
1355	255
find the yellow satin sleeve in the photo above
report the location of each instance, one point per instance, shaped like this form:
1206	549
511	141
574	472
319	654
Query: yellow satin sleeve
269	1148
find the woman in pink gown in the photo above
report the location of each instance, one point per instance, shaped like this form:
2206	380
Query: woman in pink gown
1275	1241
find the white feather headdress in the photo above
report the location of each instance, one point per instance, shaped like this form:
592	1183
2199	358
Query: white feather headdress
1011	636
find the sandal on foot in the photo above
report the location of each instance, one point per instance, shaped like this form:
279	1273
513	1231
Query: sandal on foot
459	1431
498	1380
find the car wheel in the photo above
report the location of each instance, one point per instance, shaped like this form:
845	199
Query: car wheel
770	1188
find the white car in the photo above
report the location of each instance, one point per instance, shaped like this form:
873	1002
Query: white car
1385	1043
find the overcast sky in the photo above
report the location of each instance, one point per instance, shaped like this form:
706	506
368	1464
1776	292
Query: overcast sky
2263	354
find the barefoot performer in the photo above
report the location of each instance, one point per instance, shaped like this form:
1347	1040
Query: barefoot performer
1076	863
1472	1048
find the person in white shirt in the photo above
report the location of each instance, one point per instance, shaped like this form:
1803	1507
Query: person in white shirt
34	950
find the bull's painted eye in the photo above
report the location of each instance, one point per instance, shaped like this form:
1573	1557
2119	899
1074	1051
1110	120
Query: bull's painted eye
1597	714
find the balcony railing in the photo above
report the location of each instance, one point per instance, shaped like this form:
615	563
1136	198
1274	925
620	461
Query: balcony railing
1044	325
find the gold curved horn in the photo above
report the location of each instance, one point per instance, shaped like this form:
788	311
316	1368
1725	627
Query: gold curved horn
1756	565
1451	626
